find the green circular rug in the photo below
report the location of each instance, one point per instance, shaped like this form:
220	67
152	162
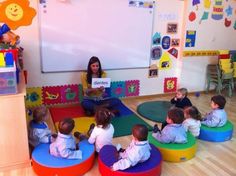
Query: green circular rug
154	110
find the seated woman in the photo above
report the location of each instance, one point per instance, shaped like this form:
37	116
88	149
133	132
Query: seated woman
94	97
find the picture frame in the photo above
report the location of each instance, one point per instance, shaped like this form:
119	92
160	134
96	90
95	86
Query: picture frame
153	73
172	28
175	42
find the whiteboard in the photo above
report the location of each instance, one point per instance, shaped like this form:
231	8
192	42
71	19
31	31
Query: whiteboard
212	34
73	31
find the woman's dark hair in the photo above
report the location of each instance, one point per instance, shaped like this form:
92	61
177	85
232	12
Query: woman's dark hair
219	100
66	126
140	132
103	117
193	112
93	60
176	115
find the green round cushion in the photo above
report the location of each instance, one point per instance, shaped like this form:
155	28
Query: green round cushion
173	146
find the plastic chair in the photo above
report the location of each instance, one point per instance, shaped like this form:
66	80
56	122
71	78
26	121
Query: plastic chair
227	81
213	76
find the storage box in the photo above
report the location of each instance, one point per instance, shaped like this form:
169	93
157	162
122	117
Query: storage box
8	84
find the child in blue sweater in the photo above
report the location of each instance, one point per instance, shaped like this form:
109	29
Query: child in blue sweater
217	117
174	131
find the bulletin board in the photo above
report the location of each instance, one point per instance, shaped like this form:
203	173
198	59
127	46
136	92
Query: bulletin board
210	25
119	32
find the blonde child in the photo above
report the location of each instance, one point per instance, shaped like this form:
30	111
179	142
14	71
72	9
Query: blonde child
137	152
192	121
217	117
38	128
102	133
174	131
65	145
181	100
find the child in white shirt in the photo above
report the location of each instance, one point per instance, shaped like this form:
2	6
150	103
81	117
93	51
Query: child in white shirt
137	152
65	145
192	121
102	133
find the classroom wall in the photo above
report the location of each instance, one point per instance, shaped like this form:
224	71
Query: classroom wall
191	68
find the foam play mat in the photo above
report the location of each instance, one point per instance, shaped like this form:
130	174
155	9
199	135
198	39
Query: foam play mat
154	110
122	123
123	126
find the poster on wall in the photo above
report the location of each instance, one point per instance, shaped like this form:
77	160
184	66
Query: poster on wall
190	38
170	84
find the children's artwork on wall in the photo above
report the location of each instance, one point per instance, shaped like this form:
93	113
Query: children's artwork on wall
235	25
173	52
170	85
204	17
201	53
42	1
195	3
165	42
227	22
118	89
69	93
172	28
33	97
156	39
16	13
175	42
229	11
190	38
207	4
192	16
156	53
218	10
132	88
140	3
153	73
165	62
51	95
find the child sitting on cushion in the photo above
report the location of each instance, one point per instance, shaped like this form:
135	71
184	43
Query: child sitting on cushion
38	128
65	145
102	133
137	152
174	131
217	117
192	121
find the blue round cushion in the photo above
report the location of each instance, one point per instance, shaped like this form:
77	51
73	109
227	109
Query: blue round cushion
216	134
42	156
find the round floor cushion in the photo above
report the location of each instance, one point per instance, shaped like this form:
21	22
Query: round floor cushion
173	152
154	110
216	134
46	164
151	167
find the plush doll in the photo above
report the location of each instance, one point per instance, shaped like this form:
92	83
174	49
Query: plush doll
7	36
